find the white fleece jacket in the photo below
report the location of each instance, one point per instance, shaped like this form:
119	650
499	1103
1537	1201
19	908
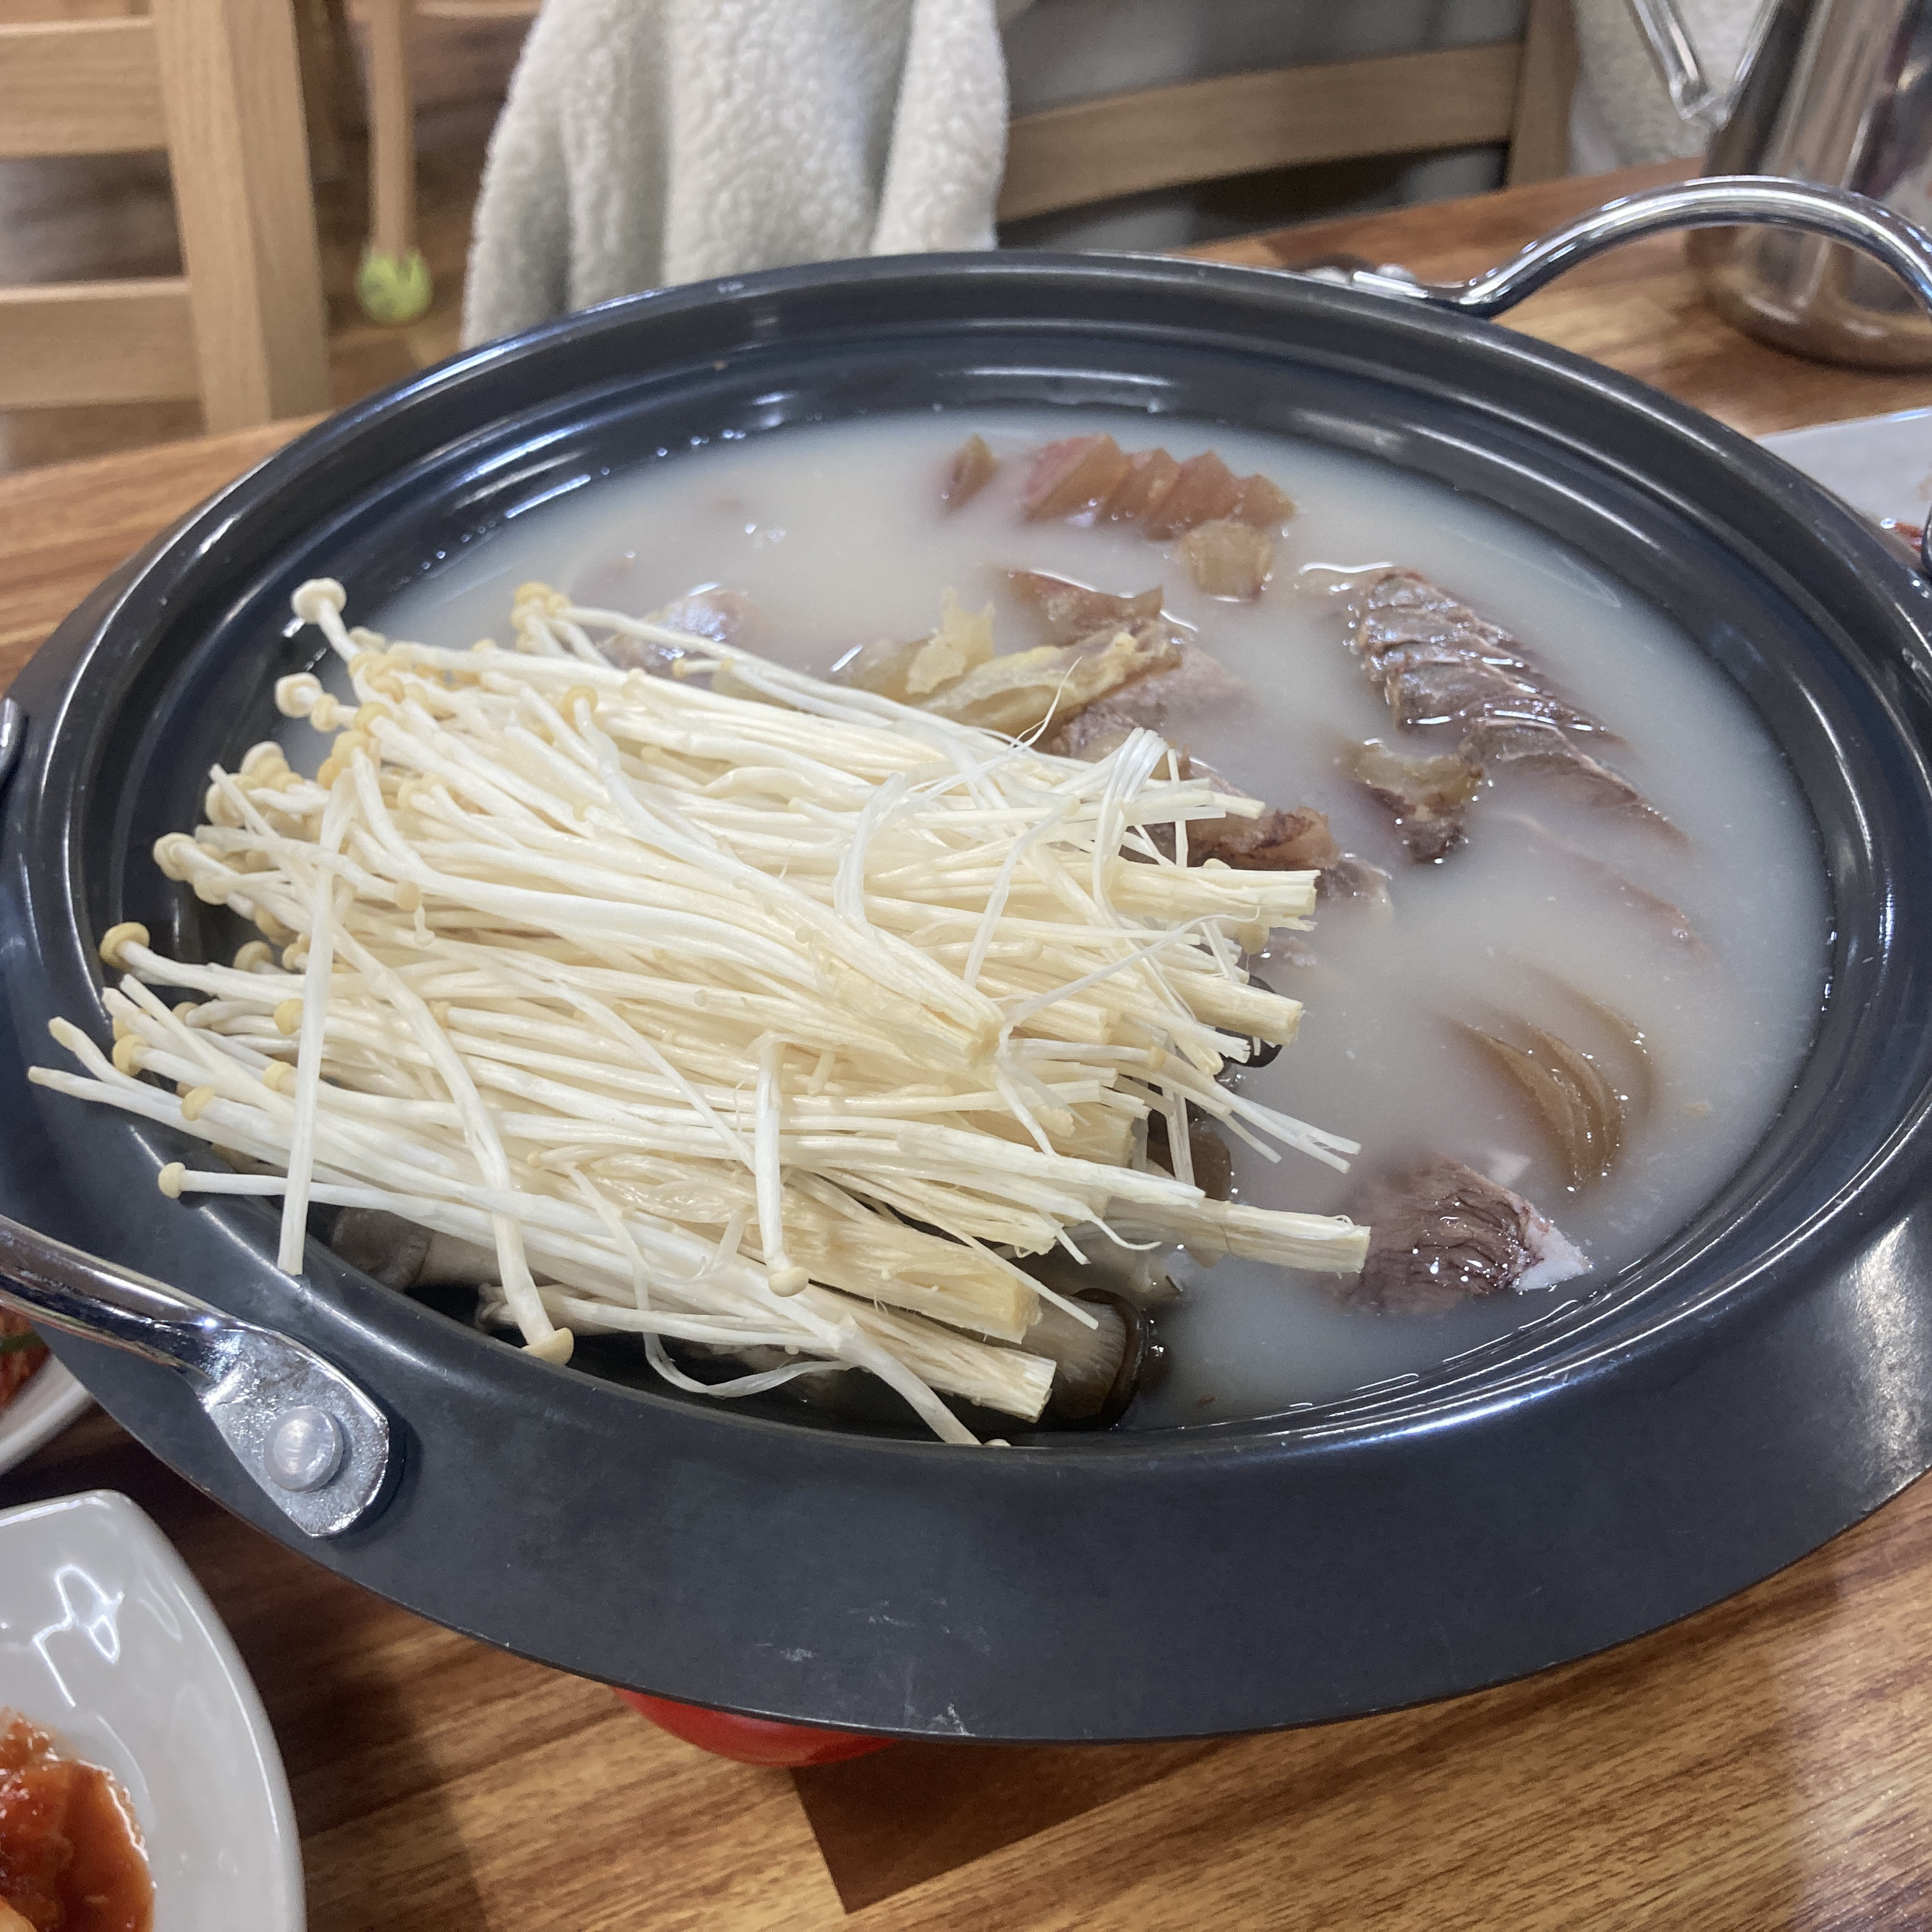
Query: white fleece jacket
646	143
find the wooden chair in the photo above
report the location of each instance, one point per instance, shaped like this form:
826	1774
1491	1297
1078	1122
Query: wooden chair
215	83
1512	91
393	282
1516	91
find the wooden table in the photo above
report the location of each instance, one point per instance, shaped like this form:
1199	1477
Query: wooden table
1763	1765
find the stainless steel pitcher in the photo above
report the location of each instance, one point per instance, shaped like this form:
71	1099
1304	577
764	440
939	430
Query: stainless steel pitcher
1837	92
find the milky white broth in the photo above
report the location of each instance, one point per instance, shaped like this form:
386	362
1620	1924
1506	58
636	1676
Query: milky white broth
838	532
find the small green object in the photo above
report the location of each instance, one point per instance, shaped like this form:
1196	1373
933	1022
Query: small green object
12	1345
394	292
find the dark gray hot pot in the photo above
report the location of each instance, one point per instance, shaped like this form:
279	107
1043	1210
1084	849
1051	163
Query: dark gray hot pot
1762	1381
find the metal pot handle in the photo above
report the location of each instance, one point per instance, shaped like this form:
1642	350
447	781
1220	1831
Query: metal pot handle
317	1447
1717	201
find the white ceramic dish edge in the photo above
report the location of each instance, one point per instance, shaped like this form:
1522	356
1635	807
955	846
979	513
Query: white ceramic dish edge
50	1400
1882	465
109	1643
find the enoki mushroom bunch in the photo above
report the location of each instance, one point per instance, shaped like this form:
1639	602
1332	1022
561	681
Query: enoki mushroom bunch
757	1012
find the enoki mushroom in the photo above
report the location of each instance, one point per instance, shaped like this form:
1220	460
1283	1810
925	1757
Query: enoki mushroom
761	1013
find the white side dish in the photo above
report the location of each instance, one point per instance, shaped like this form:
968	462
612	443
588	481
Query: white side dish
108	1643
50	1400
1882	465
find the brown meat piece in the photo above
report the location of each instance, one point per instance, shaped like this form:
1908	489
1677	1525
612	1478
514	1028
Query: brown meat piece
973	467
910	672
1228	559
1197	682
1443	1234
1261	504
723	616
1436	662
1026	689
1429	797
1150	475
1205	489
1350	878
1073	477
1295	840
1070	611
1213	1161
1298	840
1671	919
1530	745
1575	1101
1090	479
1439	665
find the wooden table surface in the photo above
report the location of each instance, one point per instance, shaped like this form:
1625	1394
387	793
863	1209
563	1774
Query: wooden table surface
1761	1765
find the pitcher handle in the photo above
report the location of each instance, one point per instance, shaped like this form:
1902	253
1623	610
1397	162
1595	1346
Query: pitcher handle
1698	104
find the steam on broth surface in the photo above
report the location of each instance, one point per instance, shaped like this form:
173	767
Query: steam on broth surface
838	534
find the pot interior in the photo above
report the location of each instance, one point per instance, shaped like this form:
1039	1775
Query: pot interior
207	694
1825	637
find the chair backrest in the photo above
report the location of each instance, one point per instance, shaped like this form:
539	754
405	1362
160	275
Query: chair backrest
215	83
1512	91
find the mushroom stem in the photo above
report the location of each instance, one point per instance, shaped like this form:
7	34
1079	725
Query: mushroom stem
1097	1371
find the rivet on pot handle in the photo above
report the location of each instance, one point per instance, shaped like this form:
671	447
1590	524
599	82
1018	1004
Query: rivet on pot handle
315	1444
1717	201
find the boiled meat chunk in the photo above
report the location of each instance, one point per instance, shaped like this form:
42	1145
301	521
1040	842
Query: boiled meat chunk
1441	669
1443	1234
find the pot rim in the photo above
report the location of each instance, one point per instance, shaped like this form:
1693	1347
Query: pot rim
69	753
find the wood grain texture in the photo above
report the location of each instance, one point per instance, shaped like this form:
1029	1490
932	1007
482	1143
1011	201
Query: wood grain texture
97	342
1539	139
392	149
232	87
64	528
1239	124
79	87
317	49
113	217
14	13
1637	308
217	82
442	1787
1759	1766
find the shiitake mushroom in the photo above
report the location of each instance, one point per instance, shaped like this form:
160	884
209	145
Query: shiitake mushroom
1212	1163
1098	1370
1260	1052
402	1255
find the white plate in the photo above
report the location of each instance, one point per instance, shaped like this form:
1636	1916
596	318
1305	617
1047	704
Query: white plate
1882	465
108	1643
48	1401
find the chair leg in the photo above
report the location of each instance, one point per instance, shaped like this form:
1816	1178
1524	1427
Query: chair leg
352	110
1539	141
393	282
231	89
315	47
